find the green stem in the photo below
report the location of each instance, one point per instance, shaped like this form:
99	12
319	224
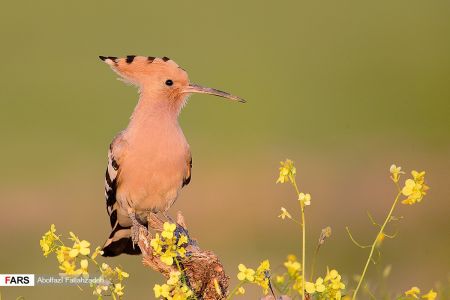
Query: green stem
230	296
313	265
302	208
183	278
303	251
374	245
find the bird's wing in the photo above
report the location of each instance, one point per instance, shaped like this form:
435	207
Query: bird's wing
119	240
187	178
111	186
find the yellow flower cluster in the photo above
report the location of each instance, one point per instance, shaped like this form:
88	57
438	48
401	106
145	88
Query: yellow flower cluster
292	278
329	287
69	256
173	289
115	276
287	171
47	241
74	261
415	188
168	246
293	267
260	276
414	292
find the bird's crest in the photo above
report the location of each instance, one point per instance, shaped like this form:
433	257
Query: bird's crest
135	69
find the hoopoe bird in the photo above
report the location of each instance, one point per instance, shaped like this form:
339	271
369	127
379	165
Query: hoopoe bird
149	162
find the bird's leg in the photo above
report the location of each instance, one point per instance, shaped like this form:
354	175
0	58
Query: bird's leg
135	227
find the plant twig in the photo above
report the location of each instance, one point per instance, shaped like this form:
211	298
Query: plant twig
374	244
354	241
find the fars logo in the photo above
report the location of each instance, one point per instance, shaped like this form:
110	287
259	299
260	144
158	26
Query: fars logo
16	279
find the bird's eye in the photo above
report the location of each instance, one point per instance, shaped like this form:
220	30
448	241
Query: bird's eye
169	82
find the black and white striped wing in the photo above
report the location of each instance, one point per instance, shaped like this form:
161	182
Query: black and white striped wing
111	187
119	240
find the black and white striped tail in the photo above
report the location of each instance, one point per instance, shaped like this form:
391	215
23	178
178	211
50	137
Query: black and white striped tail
119	242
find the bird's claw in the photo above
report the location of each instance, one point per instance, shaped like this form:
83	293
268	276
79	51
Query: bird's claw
136	228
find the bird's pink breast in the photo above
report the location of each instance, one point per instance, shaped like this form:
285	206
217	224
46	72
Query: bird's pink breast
152	168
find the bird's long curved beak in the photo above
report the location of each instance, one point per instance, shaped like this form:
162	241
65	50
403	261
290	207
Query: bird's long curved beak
194	88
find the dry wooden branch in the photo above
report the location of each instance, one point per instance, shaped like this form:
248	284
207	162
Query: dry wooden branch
204	272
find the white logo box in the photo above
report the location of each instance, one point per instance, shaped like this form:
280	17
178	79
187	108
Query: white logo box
16	279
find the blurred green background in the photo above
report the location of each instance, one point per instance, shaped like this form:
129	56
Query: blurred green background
344	88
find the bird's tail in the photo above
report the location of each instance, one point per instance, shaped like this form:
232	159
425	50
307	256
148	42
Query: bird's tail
119	242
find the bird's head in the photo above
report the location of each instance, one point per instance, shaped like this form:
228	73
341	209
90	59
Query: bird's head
160	79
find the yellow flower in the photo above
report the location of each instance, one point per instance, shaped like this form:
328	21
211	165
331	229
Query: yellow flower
97	251
430	296
181	251
121	274
174	277
240	291
413	292
181	293
279	279
291	257
167	258
319	287
156	244
182	240
415	188
83	270
161	290
298	284
333	284
304	198
107	271
418	176
287	171
118	289
79	247
68	267
62	253
99	289
395	172
293	267
263	266
245	273
284	214
310	287
169	228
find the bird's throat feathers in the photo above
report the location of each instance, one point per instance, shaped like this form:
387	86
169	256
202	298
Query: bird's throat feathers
153	107
152	115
